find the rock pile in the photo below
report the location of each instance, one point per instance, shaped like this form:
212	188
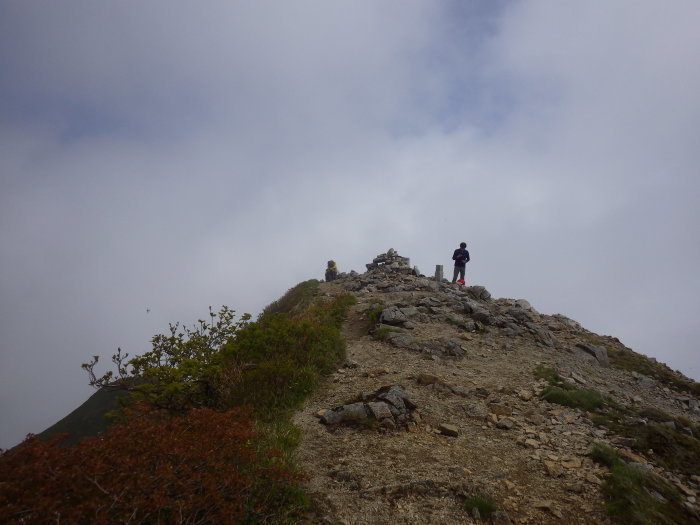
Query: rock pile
393	261
389	407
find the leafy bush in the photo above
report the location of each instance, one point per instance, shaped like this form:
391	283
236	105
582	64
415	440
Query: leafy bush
283	356
199	468
269	365
183	369
275	386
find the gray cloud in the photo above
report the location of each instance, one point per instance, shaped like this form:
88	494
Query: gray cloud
171	157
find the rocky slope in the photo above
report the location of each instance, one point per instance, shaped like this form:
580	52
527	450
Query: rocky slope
465	416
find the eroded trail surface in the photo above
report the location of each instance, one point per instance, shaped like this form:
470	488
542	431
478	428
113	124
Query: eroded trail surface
480	427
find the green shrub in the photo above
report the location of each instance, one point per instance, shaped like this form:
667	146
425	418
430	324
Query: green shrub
380	334
588	400
373	316
552	377
272	387
634	496
672	449
270	365
654	414
302	339
626	359
630	496
485	505
183	369
604	454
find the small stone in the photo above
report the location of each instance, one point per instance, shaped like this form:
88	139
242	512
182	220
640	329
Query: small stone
427	379
448	430
506	423
525	395
592	478
685	490
630	457
543	504
571	463
380	410
553	469
500	410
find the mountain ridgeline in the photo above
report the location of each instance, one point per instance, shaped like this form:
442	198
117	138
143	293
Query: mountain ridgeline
377	398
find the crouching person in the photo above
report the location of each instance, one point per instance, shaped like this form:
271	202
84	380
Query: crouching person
331	271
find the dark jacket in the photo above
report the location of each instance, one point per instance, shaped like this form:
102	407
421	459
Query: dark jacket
460	257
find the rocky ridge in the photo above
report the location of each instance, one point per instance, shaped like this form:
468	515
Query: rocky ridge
441	403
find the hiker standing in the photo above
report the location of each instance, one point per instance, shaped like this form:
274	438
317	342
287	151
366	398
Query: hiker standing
461	258
331	271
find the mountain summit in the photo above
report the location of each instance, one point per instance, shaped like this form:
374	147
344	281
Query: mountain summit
503	414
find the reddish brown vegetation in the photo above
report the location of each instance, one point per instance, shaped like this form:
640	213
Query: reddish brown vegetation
200	468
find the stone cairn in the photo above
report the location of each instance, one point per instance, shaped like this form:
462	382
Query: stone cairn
391	260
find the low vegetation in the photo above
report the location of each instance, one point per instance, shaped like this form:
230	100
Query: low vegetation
206	436
636	497
199	468
297	298
564	393
669	441
626	359
484	505
373	315
381	333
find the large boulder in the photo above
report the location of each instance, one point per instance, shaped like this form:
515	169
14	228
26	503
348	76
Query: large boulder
478	292
392	316
600	354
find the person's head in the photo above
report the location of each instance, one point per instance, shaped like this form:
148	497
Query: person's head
463	245
331	264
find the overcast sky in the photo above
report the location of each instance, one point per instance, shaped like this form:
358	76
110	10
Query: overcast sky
171	155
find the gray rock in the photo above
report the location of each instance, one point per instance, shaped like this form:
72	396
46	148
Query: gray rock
525	305
519	315
352	413
409	311
506	423
478	292
646	382
448	430
430	302
392	316
379	410
470	325
400	340
601	354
